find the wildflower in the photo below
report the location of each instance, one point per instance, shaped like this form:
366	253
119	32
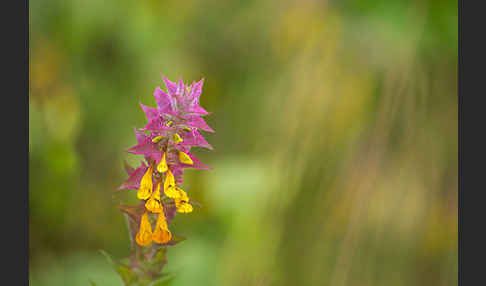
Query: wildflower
171	192
157	139
144	236
161	233
177	138
172	130
153	204
183	206
184	158
169	181
145	185
162	167
181	202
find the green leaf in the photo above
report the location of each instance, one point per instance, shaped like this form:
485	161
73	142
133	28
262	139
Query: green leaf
160	256
92	283
175	240
124	271
126	274
163	281
157	262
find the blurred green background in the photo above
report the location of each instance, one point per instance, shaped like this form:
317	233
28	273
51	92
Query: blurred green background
335	147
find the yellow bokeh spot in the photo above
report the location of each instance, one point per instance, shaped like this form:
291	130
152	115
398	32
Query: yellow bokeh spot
144	235
162	166
184	158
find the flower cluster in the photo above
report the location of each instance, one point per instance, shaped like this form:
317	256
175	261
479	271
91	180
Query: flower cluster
165	142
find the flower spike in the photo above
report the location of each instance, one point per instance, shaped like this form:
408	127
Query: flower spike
173	127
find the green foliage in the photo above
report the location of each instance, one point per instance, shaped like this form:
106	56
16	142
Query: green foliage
336	141
166	281
146	269
126	274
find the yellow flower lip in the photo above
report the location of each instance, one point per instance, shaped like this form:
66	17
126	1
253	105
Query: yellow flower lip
156	194
145	189
161	233
144	235
153	204
181	202
157	139
162	166
184	158
182	194
183	206
177	138
169	181
171	192
169	123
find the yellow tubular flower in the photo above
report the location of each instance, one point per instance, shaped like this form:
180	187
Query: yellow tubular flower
182	206
171	192
181	203
157	139
174	192
161	233
144	235
157	192
162	167
184	158
177	138
153	204
169	181
145	185
181	194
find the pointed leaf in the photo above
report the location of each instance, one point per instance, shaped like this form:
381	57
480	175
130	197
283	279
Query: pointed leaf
175	240
165	281
124	271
